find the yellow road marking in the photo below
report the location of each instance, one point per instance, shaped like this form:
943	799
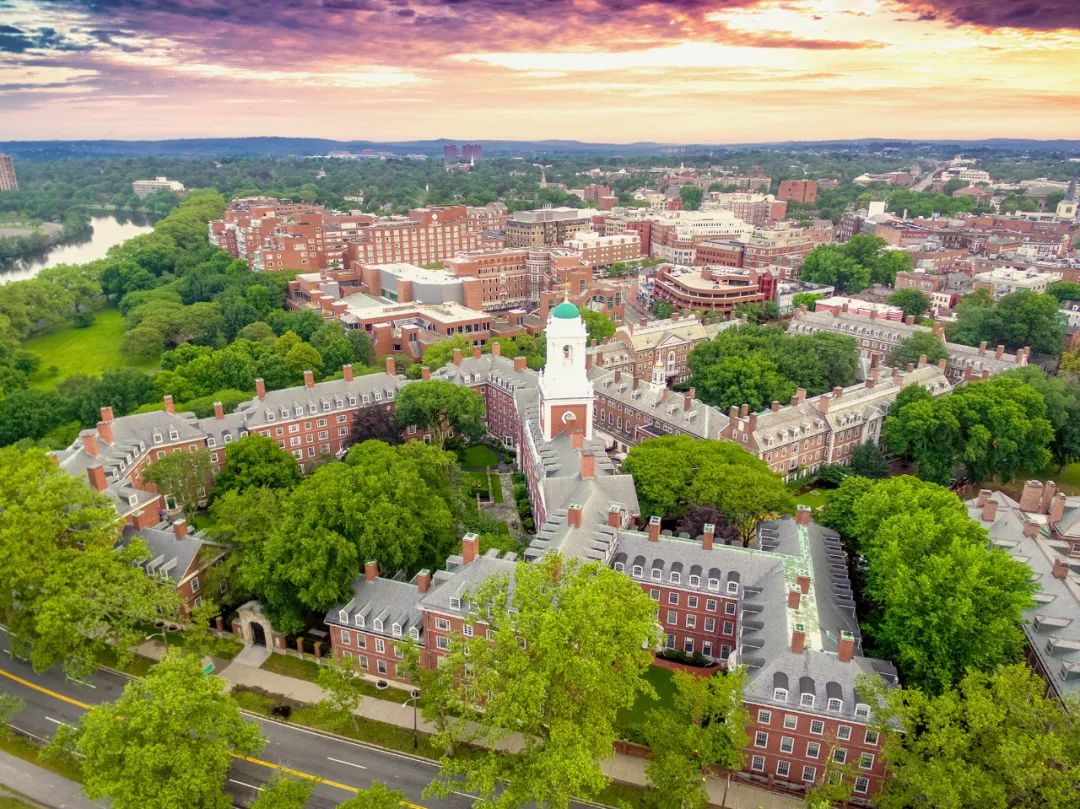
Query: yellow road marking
268	764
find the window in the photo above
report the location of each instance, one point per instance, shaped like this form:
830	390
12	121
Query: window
729	608
655	574
809	774
691	602
714	584
839	755
359	621
764	717
787	744
710	605
706	648
672	618
442	624
695	581
442	642
834	704
806	700
862	784
871	738
467	630
843	732
676	578
654	594
729	628
380	665
618	567
691	622
361	641
455	603
636	571
761	739
817	727
380	645
862	710
672	598
346	637
396	630
414	633
757	763
791	721
669	641
813	749
866	761
780	694
688	645
783	768
377	625
710	624
733	588
194	585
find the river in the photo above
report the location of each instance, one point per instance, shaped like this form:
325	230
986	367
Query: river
107	231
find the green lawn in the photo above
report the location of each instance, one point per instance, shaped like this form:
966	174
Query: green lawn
308	669
23	748
478	455
15	803
81	351
815	498
661	680
476	481
496	488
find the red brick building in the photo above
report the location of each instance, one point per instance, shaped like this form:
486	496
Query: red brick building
804	191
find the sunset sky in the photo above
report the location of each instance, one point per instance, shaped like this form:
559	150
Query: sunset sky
596	70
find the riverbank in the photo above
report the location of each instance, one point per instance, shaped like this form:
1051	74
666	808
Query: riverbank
80	247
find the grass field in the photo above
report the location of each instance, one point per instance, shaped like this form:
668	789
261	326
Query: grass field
308	670
815	498
81	351
661	680
478	456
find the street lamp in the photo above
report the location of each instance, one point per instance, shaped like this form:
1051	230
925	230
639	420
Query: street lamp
164	637
413	697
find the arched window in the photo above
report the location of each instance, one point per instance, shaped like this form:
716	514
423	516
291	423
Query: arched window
568	355
671	362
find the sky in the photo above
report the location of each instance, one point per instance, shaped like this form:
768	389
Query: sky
674	71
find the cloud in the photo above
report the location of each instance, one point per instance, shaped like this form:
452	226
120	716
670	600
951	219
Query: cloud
1038	15
19	40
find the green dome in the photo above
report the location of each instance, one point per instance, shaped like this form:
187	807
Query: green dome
566	310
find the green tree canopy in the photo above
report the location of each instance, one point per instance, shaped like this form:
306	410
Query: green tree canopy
691	196
599	326
377	796
910	349
1062	401
1064	291
284	793
869	461
184	476
913	302
1019	320
441	407
256	461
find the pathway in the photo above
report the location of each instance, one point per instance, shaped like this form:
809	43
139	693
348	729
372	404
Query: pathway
43	786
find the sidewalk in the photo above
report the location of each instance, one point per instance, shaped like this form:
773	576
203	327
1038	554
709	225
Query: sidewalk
43	786
628	769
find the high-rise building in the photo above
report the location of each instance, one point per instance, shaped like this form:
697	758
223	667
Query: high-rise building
7	174
472	152
449	152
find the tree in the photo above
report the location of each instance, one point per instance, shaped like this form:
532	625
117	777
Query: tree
705	727
838	512
165	742
374	423
599	326
994	741
565	649
662	309
913	302
333	346
1064	291
238	520
735	381
691	196
1031	319
142	343
339	678
807	299
869	461
745	495
829	264
284	793
885	266
184	476
442	352
441	407
256	461
919	344
1062	411
377	796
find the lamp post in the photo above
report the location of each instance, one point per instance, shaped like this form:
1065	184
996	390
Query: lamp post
164	637
414	696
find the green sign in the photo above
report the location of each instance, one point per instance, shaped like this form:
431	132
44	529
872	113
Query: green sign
208	668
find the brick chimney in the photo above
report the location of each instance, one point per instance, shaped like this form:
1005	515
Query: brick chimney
1057	508
599	359
425	373
577	440
470	548
106	413
96	474
896	376
910	320
520	364
573	515
1031	497
871	381
922	360
1049	490
744	411
104	430
803	515
823	403
169	406
260	388
477	352
984	495
588	466
1031	529
800	394
457	356
910	367
180	528
654	529
798	639
982	347
346	372
989	512
496	348
999	352
219	411
838	392
793	599
614	515
804	583
1061	570
688	401
775	406
371	570
423	581
846	647
309	380
943	363
618	375
90	443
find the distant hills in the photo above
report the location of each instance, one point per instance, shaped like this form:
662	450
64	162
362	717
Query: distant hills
281	147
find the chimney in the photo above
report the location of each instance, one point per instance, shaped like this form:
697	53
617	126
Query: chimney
573	515
823	403
260	388
614	515
922	360
984	495
708	537
96	474
846	648
423	581
798	639
654	529
371	570
803	515
775	406
910	367
346	372
1031	497
425	373
180	528
90	443
169	406
470	548
577	440
457	356
1061	570
982	348
875	360
618	376
1057	509
219	411
942	364
800	394
804	583
998	352
519	364
599	359
744	411
1049	490
391	366
751	424
1031	529
104	429
588	466
496	348
687	402
910	320
873	314
665	394
989	512
309	380
793	598
733	413
837	392
870	382
106	414
477	352
896	376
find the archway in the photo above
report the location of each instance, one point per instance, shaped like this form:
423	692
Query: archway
258	634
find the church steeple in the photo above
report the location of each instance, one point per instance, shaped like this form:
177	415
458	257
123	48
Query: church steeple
566	394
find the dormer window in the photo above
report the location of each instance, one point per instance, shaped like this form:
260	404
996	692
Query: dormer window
714	585
352	401
243	433
806	700
414	633
676	578
377	625
695	581
862	711
133	499
173	434
618	567
325	406
455	603
637	572
343	616
359	621
780	694
211	441
834	705
655	574
270	415
733	588
227	437
396	630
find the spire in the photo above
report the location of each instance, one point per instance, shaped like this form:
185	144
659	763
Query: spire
659	377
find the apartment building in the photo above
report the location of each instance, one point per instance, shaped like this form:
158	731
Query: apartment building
716	289
804	191
837	304
180	556
602	251
1001	281
635	348
547	227
8	181
425	236
516	277
760	210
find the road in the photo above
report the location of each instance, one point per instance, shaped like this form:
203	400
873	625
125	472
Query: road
339	767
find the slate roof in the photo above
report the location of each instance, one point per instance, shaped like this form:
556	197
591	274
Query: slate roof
449	587
660	404
392	601
169	556
323	397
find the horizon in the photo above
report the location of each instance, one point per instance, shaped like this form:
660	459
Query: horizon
673	73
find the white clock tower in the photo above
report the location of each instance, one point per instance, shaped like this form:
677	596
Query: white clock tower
566	394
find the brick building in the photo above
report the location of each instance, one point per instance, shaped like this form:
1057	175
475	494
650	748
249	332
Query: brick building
548	227
602	251
804	191
634	348
715	289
